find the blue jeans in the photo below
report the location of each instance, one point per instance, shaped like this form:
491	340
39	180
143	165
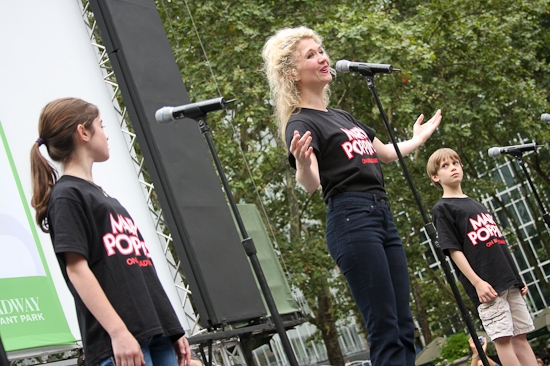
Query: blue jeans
364	242
156	350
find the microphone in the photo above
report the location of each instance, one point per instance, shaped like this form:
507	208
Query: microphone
363	68
545	117
167	115
513	150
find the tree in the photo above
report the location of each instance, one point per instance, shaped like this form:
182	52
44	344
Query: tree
483	63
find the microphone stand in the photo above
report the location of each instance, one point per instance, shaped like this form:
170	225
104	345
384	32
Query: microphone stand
248	245
519	159
429	227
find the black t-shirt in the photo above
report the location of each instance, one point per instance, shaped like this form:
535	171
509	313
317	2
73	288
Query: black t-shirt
465	224
83	219
343	147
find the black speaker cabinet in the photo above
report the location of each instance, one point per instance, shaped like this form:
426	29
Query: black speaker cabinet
179	162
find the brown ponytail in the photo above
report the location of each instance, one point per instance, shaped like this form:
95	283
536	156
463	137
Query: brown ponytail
56	129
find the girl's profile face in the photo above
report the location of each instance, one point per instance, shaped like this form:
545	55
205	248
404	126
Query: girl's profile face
98	145
312	64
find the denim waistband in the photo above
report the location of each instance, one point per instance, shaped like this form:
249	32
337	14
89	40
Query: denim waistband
359	196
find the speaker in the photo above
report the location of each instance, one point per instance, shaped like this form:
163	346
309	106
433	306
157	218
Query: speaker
176	155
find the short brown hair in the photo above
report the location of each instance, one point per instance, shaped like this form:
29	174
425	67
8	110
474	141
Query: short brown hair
435	160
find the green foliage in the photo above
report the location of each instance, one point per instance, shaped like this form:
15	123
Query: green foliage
484	63
455	347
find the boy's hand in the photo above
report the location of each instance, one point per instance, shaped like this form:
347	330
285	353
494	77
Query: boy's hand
485	292
524	289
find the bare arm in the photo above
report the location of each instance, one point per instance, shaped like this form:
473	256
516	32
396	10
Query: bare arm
476	361
421	132
307	167
485	291
126	348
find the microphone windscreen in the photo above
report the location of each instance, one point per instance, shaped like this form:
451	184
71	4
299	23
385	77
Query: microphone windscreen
164	115
494	152
342	66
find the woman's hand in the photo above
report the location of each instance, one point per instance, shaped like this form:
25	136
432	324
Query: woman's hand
301	149
421	132
307	168
424	131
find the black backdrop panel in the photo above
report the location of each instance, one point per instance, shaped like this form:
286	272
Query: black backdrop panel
180	164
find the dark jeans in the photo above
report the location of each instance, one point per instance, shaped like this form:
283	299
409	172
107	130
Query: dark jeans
364	242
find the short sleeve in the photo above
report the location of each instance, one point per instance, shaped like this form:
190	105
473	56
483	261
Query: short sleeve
69	227
446	232
371	132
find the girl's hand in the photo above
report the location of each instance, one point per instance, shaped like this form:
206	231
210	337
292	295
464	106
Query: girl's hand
181	346
126	350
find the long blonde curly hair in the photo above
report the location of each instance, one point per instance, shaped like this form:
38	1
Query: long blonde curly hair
280	56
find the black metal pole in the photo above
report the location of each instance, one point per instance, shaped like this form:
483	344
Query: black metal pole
430	229
249	247
545	216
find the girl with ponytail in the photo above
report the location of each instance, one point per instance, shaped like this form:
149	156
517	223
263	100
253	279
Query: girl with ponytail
125	317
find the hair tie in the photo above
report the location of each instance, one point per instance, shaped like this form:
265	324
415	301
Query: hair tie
40	142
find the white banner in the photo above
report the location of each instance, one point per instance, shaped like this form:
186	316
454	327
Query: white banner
47	54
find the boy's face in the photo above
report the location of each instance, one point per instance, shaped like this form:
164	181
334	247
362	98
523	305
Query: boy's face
449	173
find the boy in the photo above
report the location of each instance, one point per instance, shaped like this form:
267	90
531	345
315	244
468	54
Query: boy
468	233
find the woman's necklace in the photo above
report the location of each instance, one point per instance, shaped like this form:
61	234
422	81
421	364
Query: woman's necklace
98	187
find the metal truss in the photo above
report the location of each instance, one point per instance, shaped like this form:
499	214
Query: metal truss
148	189
226	352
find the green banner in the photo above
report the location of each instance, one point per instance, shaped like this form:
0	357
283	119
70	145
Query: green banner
31	315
